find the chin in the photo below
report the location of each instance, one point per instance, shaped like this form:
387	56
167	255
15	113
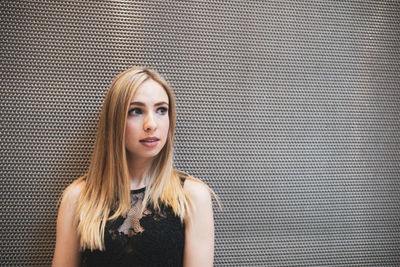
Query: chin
149	155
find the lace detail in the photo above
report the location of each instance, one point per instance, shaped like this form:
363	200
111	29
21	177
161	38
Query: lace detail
141	239
131	225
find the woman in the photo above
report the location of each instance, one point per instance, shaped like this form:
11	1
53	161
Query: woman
133	208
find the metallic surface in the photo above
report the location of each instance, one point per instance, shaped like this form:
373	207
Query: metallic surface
289	110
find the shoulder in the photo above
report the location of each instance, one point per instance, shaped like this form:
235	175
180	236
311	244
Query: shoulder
68	206
197	190
72	192
66	252
199	225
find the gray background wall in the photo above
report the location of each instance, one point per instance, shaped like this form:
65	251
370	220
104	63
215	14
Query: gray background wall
289	110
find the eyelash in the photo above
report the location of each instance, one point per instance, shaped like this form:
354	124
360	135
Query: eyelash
164	110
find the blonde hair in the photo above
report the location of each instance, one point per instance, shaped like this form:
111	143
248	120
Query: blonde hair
106	191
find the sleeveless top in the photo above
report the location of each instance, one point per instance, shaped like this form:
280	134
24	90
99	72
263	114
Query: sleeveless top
147	239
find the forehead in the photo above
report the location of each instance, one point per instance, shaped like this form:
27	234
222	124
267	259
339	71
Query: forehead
150	91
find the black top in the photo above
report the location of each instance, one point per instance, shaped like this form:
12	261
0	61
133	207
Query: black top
147	239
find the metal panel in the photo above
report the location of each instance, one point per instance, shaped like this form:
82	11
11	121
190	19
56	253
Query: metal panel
289	110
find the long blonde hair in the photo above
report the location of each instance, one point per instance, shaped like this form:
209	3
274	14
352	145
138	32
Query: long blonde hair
106	189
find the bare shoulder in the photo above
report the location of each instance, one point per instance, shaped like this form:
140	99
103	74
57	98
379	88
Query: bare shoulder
68	206
66	252
72	192
199	225
198	191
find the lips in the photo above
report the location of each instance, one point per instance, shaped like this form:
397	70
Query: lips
149	140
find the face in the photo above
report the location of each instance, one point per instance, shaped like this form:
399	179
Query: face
147	123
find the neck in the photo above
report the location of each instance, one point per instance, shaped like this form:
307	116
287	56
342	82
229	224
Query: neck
138	169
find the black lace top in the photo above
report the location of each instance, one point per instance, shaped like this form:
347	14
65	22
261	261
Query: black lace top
147	239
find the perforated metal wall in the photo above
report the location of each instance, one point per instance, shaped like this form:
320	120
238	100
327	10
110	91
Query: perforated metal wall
288	109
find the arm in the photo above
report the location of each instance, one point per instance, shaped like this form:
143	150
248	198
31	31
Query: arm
199	229
67	242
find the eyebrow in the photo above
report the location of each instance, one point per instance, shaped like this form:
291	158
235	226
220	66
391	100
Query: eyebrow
142	104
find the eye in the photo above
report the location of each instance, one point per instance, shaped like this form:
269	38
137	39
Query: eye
162	110
135	111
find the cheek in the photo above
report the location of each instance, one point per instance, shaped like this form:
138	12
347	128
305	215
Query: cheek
166	126
131	130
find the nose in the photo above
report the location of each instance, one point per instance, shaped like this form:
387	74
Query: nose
150	123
